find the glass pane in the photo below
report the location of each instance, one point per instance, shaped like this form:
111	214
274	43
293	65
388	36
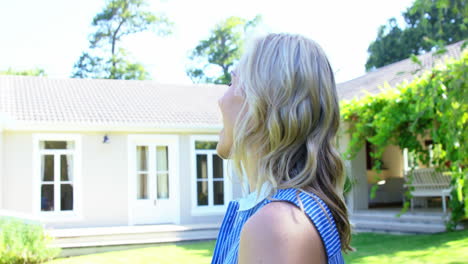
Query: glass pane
47	197
161	158
218	189
202	193
66	167
202	167
47	168
217	167
57	145
163	186
142	158
66	197
142	186
205	144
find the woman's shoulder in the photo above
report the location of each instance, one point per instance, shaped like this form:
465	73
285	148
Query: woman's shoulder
309	202
264	235
316	210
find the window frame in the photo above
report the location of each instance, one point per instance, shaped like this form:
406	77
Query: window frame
156	172
209	209
57	216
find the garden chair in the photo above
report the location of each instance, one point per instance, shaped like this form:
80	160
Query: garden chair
428	182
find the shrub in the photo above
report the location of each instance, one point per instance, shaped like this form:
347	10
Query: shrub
24	243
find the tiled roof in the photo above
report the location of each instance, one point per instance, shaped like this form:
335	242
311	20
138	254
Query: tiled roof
41	100
128	104
394	74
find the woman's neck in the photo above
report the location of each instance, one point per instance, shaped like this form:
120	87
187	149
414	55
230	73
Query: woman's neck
251	174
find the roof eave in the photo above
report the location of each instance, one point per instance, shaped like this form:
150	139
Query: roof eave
99	127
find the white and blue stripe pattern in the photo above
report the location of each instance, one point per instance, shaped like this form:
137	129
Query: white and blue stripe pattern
227	246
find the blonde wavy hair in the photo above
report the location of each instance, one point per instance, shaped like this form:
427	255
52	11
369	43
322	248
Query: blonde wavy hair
291	118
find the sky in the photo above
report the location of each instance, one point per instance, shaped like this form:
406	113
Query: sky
52	34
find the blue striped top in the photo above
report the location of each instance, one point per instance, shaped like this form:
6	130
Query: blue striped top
227	246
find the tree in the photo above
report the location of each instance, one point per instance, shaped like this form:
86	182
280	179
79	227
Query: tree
429	24
119	18
220	51
33	72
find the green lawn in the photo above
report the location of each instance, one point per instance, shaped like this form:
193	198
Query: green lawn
447	248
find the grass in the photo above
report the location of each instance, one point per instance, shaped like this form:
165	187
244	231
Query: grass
445	248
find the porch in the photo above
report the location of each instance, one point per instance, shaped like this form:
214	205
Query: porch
376	200
386	220
81	241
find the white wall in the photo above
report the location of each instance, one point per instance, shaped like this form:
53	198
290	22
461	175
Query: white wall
393	160
17	172
104	179
358	198
393	163
104	169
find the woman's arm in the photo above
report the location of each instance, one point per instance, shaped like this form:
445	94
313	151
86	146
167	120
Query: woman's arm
280	233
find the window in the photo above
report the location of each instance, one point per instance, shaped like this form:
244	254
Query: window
410	160
144	175
211	190
154	192
57	175
435	152
142	172
369	159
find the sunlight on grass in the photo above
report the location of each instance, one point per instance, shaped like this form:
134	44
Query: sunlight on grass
445	248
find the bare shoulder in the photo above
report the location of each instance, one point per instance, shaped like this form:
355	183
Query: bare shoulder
280	233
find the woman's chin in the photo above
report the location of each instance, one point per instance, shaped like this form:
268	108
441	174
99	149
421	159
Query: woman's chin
220	150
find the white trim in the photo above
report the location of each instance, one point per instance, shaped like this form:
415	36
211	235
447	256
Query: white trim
83	127
213	209
173	142
3	117
1	168
77	213
405	161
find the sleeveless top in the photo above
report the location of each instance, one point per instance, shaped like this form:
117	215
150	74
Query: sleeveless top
238	212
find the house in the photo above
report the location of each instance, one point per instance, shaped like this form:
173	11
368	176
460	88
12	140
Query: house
378	213
100	153
95	153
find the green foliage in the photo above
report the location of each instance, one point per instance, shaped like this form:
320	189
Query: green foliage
24	243
429	24
222	50
434	105
206	144
118	19
348	185
33	72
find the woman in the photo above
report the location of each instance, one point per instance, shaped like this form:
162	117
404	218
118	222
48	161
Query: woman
280	116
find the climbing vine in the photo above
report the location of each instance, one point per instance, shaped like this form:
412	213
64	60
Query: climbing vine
435	106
